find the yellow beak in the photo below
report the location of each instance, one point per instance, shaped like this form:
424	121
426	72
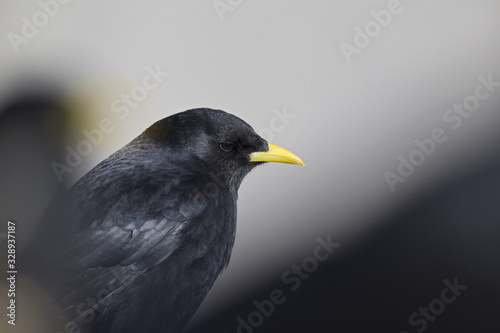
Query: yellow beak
276	154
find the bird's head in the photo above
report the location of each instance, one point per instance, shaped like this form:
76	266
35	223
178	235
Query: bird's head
214	140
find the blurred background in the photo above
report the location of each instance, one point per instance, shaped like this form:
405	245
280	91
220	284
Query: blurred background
393	106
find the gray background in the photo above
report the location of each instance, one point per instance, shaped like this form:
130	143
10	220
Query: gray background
352	120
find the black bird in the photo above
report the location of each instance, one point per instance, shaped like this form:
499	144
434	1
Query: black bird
154	224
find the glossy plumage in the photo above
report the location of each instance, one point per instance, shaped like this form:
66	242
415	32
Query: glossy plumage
152	226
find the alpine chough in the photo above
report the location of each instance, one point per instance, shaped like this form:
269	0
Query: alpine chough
153	225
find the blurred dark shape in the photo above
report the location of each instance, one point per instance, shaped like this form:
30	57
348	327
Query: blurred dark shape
32	119
398	270
32	122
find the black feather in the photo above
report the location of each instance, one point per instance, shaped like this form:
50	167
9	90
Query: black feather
152	226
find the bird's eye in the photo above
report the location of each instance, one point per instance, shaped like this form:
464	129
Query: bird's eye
226	146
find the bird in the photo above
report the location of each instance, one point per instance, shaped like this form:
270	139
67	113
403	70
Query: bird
152	226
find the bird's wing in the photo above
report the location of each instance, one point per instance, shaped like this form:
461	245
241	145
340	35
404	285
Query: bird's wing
140	230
